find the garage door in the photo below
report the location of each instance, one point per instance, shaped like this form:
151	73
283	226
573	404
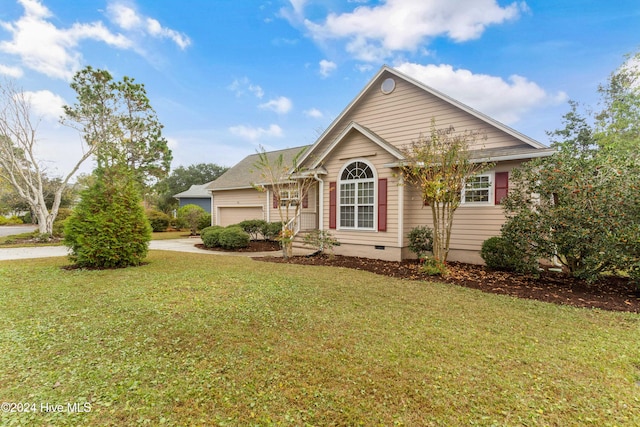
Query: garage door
236	214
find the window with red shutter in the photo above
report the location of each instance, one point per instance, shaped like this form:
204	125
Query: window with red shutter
501	186
332	204
382	204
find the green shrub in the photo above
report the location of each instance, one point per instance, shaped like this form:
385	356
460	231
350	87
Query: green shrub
321	240
233	238
499	253
108	228
159	220
211	236
58	224
271	230
13	220
253	227
191	217
420	241
434	267
204	222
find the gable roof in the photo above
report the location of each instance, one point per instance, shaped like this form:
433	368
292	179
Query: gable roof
386	69
195	191
243	174
372	136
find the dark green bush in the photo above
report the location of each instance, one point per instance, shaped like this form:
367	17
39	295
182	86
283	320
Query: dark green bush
233	238
205	222
211	236
499	254
159	220
271	230
253	227
420	241
108	228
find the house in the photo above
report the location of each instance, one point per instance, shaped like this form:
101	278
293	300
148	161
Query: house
360	197
196	195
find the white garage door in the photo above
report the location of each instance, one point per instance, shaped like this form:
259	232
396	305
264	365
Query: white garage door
236	214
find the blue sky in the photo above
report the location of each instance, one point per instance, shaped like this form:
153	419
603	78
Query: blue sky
226	76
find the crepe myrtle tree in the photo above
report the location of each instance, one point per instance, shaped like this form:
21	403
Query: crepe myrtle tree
20	166
289	184
438	165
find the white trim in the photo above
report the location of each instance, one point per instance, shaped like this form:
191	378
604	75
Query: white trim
321	203
386	69
491	188
400	186
339	182
367	133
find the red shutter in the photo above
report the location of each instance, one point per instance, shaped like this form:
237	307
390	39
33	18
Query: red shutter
305	201
382	204
275	200
332	204
501	186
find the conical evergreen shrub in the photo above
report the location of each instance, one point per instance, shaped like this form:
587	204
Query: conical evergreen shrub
108	228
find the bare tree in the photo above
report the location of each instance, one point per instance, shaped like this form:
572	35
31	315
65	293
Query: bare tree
19	165
290	184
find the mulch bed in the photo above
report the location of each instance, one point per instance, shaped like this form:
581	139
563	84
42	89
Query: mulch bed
613	294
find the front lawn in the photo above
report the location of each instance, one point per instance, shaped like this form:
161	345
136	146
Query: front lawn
192	339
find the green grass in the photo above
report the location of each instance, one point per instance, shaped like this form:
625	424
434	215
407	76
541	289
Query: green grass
13	241
192	339
167	235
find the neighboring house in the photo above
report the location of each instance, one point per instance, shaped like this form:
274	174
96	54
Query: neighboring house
196	195
360	197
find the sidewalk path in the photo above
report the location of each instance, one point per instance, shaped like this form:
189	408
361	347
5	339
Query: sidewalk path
178	245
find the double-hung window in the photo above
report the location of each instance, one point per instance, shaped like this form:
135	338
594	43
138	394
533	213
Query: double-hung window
477	189
357	196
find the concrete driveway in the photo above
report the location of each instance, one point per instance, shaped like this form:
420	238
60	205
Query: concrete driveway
8	230
178	245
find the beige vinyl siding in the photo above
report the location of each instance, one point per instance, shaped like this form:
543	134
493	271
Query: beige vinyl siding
356	146
472	224
237	198
401	116
310	211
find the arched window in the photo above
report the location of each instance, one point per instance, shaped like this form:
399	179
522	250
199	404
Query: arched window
357	196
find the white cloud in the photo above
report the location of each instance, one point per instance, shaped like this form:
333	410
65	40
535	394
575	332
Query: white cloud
314	113
254	134
43	47
46	104
241	86
281	105
14	72
372	33
129	19
506	101
327	67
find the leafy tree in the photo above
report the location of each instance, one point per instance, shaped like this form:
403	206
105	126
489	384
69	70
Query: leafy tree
438	165
20	166
581	205
117	119
617	125
108	228
290	184
191	216
181	178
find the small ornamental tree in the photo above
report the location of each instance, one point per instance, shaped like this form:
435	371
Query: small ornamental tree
289	184
192	217
108	228
438	165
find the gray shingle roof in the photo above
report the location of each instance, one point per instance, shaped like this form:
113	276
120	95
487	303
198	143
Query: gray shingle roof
244	173
199	190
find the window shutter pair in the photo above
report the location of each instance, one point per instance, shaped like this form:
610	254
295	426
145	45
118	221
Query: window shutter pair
382	204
